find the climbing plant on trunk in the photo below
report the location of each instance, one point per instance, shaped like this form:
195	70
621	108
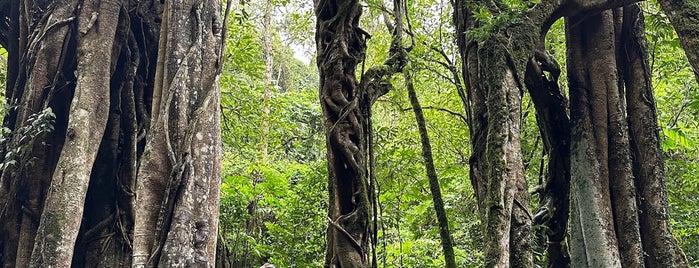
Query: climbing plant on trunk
346	104
123	164
502	50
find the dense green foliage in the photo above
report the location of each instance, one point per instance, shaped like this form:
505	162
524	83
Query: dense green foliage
273	208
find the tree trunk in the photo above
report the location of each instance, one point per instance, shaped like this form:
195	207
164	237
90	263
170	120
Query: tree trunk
443	222
554	125
85	89
492	68
684	17
607	68
341	46
604	220
648	168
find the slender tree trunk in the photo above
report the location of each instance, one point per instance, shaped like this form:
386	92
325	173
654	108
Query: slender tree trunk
554	124
442	221
84	84
269	69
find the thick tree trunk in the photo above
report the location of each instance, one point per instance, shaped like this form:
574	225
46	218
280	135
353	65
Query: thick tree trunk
497	171
442	221
178	184
341	46
592	78
606	183
68	184
492	68
58	228
648	169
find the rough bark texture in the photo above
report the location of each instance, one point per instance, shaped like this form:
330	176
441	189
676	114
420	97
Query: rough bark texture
58	228
178	186
346	105
443	222
554	124
492	69
341	46
684	16
615	161
69	184
623	189
659	245
604	213
591	75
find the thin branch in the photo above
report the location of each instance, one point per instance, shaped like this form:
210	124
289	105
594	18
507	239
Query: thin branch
461	116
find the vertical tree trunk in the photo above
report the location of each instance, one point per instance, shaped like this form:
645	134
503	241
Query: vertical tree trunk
492	70
684	16
593	240
341	46
442	221
178	186
554	125
68	182
601	111
59	226
269	69
648	168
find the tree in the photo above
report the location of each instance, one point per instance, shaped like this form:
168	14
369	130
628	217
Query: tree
435	190
346	105
122	164
682	15
496	42
341	45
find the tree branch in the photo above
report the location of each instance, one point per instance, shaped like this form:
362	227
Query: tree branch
461	116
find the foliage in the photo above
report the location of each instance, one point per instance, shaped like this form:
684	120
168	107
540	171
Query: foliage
677	94
275	209
17	154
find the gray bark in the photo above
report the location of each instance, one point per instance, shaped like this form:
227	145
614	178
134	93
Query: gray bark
68	199
178	186
648	168
59	226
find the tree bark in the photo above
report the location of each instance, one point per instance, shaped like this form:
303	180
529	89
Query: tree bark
178	186
684	17
442	221
604	141
554	124
593	240
58	228
648	168
491	69
604	220
85	90
341	46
